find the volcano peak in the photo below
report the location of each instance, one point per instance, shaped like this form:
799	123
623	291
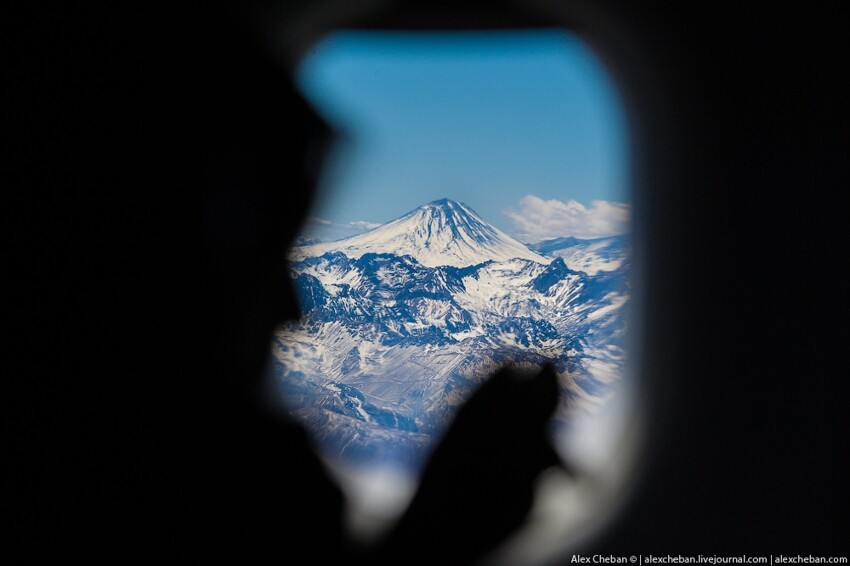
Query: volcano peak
441	232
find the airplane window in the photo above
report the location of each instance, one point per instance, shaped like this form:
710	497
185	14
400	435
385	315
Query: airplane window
473	213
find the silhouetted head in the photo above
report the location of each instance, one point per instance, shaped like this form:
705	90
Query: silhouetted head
250	148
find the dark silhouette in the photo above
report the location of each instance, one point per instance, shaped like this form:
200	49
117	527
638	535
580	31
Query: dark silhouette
478	485
150	187
175	163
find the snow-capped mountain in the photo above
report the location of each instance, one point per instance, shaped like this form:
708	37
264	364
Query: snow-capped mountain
394	336
589	256
443	232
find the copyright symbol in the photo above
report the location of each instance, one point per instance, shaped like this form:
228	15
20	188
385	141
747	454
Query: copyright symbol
632	559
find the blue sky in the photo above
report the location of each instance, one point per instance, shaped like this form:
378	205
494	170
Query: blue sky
525	127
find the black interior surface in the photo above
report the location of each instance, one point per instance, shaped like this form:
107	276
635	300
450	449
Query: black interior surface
151	190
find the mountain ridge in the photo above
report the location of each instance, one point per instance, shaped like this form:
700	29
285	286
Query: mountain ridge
388	347
441	232
592	256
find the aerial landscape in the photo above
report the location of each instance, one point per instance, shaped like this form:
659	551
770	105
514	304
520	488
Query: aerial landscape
402	322
472	213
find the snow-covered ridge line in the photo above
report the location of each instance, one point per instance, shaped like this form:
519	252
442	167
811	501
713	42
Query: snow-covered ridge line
590	256
402	323
442	232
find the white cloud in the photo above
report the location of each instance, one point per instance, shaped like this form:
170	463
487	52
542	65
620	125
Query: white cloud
318	220
364	224
536	219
